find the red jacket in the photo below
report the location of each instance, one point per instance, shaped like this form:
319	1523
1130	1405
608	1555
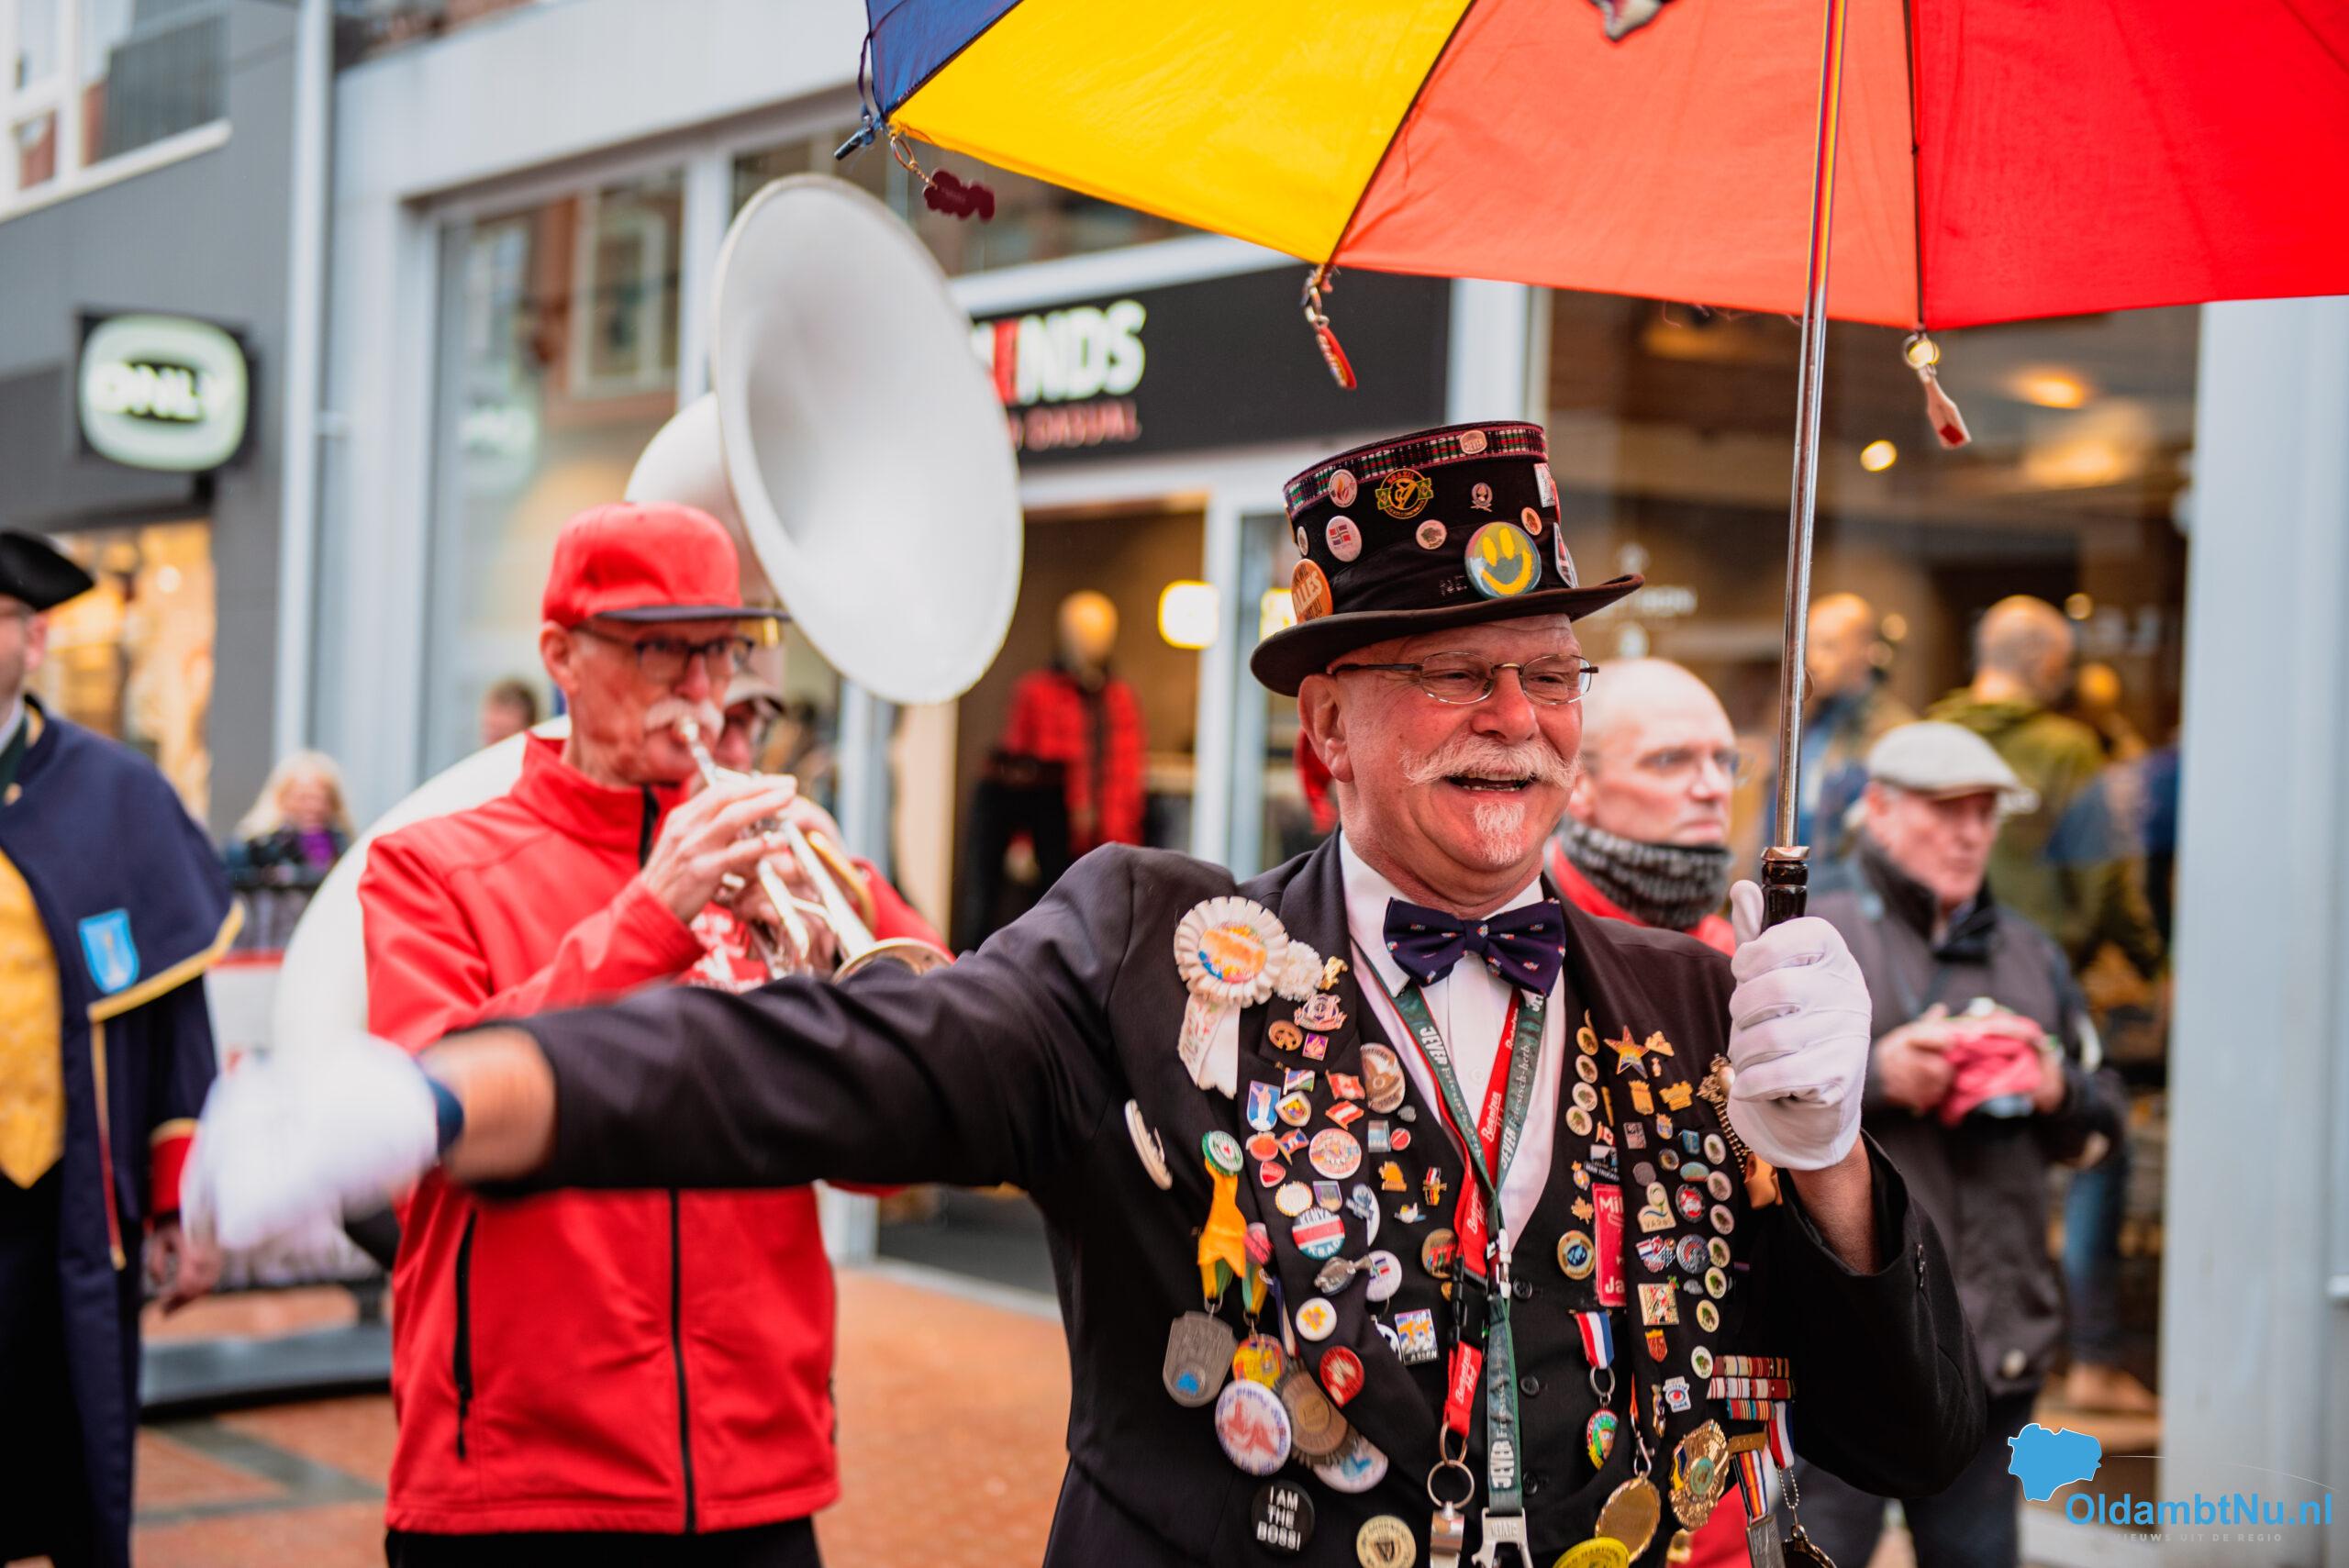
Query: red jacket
1712	931
1053	718
651	1361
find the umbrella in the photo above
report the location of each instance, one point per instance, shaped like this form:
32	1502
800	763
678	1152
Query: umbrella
1948	162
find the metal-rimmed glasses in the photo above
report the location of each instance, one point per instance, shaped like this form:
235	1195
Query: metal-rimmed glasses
662	660
1552	681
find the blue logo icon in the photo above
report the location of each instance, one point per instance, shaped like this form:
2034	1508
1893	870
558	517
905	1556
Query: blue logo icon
2046	1462
112	956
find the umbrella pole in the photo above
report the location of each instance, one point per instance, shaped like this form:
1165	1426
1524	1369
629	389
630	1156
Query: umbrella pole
1786	874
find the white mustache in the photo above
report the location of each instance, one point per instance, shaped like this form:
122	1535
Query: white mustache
669	712
1479	754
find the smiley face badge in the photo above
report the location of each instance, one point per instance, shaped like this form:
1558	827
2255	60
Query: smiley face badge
1502	560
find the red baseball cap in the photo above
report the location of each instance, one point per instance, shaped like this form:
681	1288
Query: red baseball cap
645	561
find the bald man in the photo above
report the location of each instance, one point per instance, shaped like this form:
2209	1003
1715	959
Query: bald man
1846	711
2023	656
1645	837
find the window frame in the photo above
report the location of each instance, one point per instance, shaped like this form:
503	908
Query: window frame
76	174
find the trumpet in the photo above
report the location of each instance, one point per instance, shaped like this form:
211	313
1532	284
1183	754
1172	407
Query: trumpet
857	947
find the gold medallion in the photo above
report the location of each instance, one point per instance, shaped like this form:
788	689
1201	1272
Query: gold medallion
1630	1514
1699	1474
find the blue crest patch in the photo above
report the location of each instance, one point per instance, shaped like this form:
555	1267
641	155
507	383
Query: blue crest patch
113	957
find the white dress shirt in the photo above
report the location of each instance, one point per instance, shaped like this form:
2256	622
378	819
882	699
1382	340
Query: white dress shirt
1469	1005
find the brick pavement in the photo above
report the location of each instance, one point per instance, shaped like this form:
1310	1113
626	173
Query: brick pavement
951	1414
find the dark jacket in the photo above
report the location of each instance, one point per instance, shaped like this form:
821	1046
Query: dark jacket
1984	1182
1017	1065
137	908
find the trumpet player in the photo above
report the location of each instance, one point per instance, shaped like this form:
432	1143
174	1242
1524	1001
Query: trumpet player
576	1373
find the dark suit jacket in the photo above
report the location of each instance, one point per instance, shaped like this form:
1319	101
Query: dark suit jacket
1015	1064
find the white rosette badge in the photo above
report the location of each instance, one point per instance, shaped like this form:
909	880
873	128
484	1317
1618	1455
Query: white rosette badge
1232	952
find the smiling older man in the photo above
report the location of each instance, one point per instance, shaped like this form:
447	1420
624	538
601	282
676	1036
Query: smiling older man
1366	1254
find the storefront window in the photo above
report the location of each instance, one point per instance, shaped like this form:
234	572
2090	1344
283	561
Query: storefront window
1033	222
559	363
132	659
1081	732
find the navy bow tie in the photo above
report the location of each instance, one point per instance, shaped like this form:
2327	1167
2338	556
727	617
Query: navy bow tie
1524	946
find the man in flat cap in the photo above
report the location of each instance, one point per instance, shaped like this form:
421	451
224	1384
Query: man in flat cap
112	905
1400	1210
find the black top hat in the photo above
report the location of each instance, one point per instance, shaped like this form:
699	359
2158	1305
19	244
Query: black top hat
1445	527
31	570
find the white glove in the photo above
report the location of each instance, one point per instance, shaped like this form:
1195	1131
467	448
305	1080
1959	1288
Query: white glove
315	1131
1798	1034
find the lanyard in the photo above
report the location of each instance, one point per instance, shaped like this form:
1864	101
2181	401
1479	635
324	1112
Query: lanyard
1489	1143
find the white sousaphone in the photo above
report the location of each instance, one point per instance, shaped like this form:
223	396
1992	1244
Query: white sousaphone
851	440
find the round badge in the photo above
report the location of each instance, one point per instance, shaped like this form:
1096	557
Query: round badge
1400	1138
1587	1069
1385	1542
1694	1170
1692	1203
1253	1427
1708	1318
1718	1250
1341	1374
1304	541
1471	442
1315	1430
1716	1147
1642	1174
1578	1122
1404	494
1700	1362
1691	1253
1318	1233
1599	1436
1342	489
1576	1256
1264	1146
1258	1358
1294	1199
1669	1159
1222	1150
1345	539
1382	1078
1585	1097
1431	535
1283	1035
1502	562
1596	1552
1716	1283
1533	524
1317	1319
1336	1153
1281	1517
1357	1467
1308	592
1438	1254
1296	1109
1723	1220
1386	1272
1720	1185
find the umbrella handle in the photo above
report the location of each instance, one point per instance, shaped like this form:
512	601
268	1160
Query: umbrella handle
1785	883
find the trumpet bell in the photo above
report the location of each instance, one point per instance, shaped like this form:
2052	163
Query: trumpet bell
851	440
907	953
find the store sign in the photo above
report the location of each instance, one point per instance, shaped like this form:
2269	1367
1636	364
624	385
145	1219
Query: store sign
162	392
1225	361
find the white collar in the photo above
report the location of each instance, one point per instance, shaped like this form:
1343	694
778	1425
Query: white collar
1367	891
